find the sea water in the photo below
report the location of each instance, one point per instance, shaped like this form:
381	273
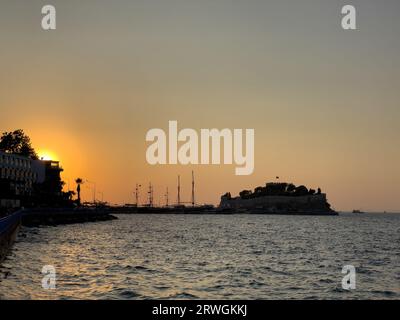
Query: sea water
208	257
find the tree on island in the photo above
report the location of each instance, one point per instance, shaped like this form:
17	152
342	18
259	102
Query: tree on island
301	191
277	189
17	142
79	181
245	194
290	188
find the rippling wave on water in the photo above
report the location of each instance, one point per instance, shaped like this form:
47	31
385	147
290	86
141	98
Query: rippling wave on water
208	257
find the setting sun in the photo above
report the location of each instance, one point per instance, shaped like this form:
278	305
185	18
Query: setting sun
47	155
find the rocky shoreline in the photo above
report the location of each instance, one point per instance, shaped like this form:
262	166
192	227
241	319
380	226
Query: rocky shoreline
56	216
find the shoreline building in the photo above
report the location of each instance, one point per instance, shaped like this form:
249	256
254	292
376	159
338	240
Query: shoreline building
16	179
48	185
24	181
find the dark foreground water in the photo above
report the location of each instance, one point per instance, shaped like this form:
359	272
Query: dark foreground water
209	257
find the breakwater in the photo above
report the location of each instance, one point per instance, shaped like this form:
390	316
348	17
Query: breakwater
59	216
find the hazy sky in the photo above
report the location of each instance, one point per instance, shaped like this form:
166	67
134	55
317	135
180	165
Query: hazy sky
324	102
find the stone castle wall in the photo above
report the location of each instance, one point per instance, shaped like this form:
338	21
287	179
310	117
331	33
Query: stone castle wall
274	201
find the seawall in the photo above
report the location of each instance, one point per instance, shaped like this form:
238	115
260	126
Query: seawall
59	216
8	231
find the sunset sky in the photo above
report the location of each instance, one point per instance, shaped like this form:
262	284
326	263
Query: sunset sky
324	102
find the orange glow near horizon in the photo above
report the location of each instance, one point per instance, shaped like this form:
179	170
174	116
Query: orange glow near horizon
47	155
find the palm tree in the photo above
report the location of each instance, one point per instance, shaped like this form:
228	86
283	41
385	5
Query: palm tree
79	181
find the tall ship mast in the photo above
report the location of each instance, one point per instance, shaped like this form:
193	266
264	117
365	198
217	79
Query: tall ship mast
179	190
151	194
137	195
193	200
167	198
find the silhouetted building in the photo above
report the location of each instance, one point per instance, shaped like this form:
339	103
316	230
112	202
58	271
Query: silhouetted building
16	179
48	185
24	181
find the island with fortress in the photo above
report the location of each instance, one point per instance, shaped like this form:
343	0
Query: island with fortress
278	198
